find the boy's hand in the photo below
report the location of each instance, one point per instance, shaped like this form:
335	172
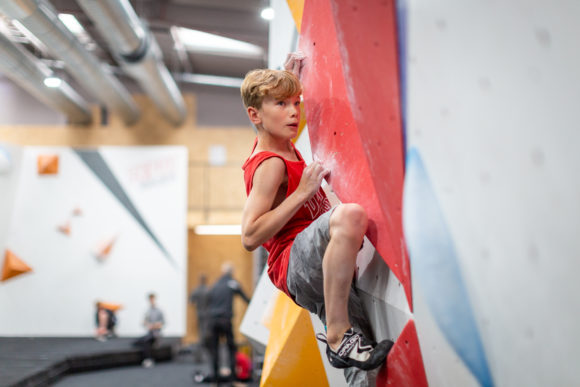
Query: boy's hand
312	179
295	62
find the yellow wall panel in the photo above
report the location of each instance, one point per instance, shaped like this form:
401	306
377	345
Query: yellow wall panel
296	8
292	357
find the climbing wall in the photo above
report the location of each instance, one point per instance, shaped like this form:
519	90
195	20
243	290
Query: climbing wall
355	128
491	193
9	174
454	124
99	219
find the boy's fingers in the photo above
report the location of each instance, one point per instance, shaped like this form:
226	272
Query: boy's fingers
294	63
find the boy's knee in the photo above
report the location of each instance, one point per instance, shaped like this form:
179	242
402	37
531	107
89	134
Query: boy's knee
350	218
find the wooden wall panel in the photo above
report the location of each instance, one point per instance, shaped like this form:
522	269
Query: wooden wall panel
226	187
196	187
227	192
206	255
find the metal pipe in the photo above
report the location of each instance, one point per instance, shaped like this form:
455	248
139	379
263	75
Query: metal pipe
29	72
40	18
135	49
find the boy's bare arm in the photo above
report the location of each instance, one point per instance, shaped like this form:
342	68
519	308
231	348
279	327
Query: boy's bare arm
260	221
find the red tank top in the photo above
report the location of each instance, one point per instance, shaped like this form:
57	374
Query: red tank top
280	244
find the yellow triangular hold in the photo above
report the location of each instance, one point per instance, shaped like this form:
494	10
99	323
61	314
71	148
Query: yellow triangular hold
297	9
13	266
292	357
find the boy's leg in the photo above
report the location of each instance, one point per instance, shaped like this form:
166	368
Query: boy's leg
305	282
348	224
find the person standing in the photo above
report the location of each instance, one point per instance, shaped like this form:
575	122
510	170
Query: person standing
220	313
153	322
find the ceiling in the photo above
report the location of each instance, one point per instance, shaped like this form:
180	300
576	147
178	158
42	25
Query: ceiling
236	19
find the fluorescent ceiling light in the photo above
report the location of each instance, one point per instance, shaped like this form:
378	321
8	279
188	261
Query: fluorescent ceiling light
216	45
71	23
52	82
212	80
267	13
218	229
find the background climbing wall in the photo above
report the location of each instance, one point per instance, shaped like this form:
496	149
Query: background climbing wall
9	173
493	91
116	215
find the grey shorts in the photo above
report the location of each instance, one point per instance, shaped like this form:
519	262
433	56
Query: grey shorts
305	278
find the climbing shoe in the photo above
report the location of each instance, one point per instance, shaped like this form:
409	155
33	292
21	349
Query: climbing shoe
355	350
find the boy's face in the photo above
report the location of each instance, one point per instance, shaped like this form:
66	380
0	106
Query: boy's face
279	117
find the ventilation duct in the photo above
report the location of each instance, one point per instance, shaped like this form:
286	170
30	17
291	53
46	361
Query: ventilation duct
42	21
29	72
136	50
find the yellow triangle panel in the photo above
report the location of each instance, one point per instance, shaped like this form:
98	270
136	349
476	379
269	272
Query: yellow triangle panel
302	122
292	357
13	266
296	8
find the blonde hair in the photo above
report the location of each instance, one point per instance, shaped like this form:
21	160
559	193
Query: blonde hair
278	84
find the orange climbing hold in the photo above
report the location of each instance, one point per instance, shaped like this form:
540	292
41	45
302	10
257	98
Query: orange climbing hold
64	228
47	164
111	306
13	266
104	252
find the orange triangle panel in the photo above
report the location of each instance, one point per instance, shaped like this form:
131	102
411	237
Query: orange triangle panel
106	250
64	228
47	164
13	266
111	306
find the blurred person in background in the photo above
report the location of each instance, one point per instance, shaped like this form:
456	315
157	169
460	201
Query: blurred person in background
220	313
153	322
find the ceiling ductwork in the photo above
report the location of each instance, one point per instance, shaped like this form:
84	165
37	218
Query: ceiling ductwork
40	19
135	49
30	73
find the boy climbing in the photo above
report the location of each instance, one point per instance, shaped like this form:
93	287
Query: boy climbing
312	247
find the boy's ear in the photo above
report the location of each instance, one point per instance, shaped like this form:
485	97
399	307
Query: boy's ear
254	115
